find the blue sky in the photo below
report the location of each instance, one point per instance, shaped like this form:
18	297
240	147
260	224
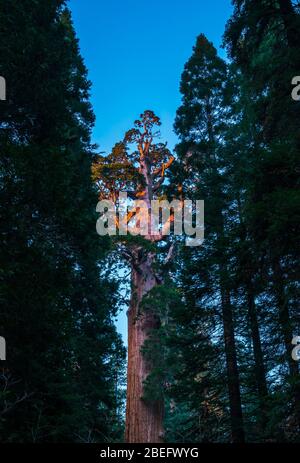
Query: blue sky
135	52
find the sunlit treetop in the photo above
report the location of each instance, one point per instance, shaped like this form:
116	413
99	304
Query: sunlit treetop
137	164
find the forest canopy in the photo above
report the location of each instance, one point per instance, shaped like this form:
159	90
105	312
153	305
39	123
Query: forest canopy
213	330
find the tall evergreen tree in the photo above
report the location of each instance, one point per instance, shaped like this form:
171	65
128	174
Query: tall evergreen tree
200	123
56	311
261	38
137	166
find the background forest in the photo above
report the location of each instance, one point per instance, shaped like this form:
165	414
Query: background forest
229	309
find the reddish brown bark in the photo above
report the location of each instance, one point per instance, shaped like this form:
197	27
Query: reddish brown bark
143	175
144	419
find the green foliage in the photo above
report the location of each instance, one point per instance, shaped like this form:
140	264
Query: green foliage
239	142
239	151
64	356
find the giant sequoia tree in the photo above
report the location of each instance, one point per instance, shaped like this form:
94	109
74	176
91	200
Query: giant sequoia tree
137	166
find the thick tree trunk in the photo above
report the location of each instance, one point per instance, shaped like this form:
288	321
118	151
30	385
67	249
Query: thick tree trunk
248	269
236	416
260	374
144	419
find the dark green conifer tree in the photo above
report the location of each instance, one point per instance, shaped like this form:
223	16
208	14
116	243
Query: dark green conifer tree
56	311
